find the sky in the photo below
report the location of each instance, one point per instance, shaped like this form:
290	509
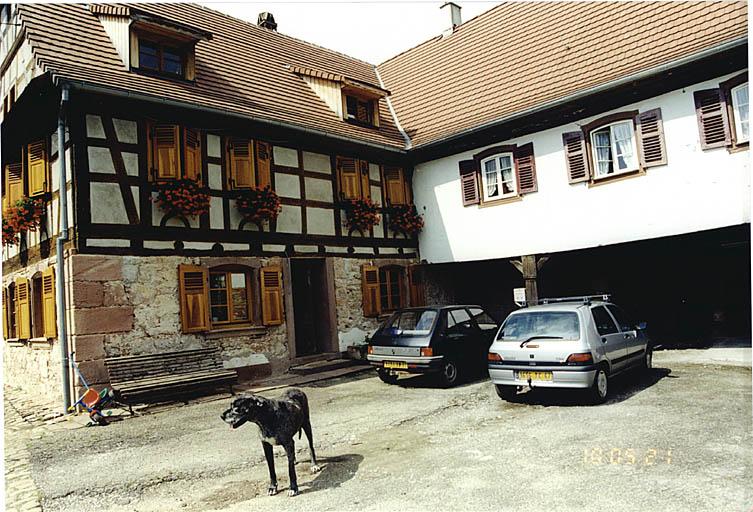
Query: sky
372	30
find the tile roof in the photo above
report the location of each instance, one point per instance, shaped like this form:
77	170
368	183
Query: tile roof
243	69
520	55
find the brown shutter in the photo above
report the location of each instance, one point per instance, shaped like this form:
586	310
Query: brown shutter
713	123
48	303
370	290
469	182
651	138
347	177
271	295
23	309
416	286
394	185
36	158
192	145
240	157
263	164
166	157
575	157
363	165
14	183
6	314
193	283
526	165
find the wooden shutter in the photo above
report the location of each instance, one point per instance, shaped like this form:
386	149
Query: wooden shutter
651	138
166	154
713	122
394	185
49	325
23	308
469	182
271	295
192	148
193	282
370	290
575	157
6	314
363	165
36	159
263	164
347	177
416	286
526	165
240	157
14	183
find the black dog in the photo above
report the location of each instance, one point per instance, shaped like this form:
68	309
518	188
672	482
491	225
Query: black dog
278	421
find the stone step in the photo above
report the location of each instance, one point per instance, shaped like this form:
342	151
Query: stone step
321	366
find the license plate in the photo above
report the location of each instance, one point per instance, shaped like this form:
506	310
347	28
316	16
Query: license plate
535	375
397	365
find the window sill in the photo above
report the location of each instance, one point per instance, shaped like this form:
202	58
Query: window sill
41	343
15	342
362	125
503	200
595	182
231	332
167	76
743	146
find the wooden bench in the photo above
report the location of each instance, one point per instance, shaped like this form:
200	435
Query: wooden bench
148	377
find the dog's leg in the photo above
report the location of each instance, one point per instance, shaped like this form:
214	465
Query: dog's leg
290	451
270	456
307	428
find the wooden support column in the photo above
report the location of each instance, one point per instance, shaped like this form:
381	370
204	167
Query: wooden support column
529	267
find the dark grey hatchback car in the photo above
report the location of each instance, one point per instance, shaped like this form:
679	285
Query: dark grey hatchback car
448	341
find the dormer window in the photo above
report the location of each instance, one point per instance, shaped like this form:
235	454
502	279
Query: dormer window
161	58
360	110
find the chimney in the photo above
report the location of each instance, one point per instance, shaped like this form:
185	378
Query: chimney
454	18
266	20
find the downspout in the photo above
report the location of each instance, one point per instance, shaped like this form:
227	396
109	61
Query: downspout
62	238
406	137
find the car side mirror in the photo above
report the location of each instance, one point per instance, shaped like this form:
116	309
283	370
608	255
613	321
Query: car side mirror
641	326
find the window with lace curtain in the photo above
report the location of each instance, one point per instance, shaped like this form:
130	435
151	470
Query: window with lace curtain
498	177
614	149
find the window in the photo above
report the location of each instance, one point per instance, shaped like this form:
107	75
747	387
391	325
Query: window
551	324
360	110
249	163
353	178
391	288
482	318
623	320
396	186
498	177
9	303
740	112
166	160
37	324
411	323
604	323
161	58
614	149
458	322
229	297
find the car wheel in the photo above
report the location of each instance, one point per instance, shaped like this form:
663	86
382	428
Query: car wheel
600	386
387	377
648	359
449	375
507	393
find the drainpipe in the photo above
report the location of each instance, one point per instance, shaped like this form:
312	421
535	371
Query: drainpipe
62	238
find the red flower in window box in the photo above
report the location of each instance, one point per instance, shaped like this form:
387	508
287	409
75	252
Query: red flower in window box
182	197
360	214
25	215
258	204
405	219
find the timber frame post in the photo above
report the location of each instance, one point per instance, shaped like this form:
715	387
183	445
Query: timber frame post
529	266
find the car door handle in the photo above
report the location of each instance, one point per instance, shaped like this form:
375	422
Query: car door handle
603	340
628	336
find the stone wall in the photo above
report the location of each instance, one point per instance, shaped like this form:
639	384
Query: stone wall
352	326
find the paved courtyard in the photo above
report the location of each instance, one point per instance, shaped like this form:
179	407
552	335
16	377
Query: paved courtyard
678	439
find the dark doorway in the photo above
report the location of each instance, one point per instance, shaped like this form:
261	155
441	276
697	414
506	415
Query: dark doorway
311	306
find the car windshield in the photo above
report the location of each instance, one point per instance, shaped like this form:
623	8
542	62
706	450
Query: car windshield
411	323
540	324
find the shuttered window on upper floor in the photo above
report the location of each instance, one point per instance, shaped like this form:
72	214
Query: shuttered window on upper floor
175	152
38	167
722	114
249	163
353	178
396	186
498	173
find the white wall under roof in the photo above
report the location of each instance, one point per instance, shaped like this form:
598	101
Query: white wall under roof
697	190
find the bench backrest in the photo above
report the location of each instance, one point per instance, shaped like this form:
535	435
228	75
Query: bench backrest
126	368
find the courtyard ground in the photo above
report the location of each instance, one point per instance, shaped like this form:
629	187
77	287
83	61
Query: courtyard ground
677	438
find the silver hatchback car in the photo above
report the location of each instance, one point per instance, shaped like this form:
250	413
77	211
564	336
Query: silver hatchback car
572	342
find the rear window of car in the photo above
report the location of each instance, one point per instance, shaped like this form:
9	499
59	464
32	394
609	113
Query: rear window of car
545	324
411	323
